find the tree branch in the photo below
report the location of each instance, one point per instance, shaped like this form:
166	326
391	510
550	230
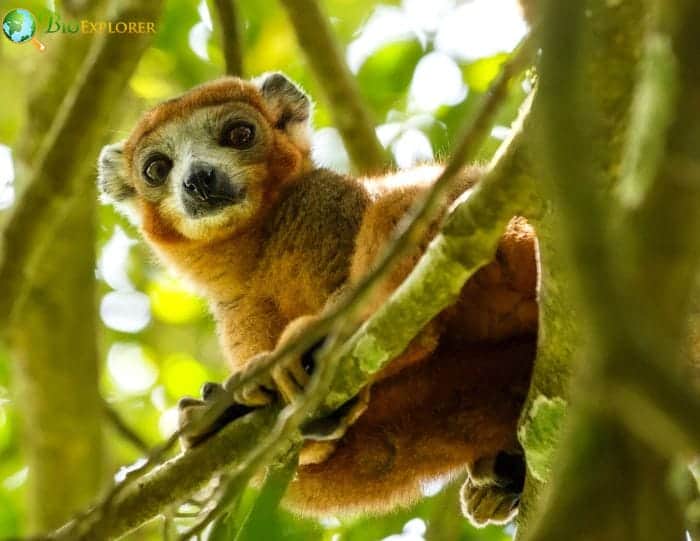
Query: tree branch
61	163
350	115
467	241
175	480
231	39
122	428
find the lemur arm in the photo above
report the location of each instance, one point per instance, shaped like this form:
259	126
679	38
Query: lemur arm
248	327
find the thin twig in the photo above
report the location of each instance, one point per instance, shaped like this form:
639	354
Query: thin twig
124	430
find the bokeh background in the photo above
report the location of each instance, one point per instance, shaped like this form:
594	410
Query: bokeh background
422	67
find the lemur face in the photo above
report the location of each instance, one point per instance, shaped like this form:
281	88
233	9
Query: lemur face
204	165
206	170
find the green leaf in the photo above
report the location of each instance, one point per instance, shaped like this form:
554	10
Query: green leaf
260	522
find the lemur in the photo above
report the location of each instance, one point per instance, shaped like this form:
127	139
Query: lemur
222	185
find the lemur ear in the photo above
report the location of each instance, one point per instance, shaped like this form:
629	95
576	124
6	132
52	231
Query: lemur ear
112	178
289	105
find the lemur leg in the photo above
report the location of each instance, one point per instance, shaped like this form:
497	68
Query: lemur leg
492	491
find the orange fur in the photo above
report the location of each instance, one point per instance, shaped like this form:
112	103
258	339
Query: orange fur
455	394
427	422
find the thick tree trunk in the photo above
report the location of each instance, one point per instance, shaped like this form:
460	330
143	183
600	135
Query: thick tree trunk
607	484
53	343
610	62
50	305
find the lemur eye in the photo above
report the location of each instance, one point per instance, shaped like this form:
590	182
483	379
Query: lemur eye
156	170
239	135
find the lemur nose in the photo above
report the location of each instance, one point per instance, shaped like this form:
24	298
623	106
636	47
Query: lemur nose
201	182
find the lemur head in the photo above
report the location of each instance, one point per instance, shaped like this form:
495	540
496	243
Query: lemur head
204	165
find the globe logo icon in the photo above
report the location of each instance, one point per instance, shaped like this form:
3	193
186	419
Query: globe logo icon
19	26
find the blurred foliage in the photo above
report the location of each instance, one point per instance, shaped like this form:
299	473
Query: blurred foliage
174	349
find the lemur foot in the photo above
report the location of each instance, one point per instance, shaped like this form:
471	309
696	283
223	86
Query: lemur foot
491	494
193	422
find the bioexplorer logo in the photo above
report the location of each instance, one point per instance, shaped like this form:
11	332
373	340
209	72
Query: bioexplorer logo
20	26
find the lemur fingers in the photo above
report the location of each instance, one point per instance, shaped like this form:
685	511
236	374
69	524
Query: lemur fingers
253	394
316	452
334	426
290	379
322	435
260	391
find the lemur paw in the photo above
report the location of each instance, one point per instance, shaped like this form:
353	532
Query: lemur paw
491	494
333	426
194	424
287	379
